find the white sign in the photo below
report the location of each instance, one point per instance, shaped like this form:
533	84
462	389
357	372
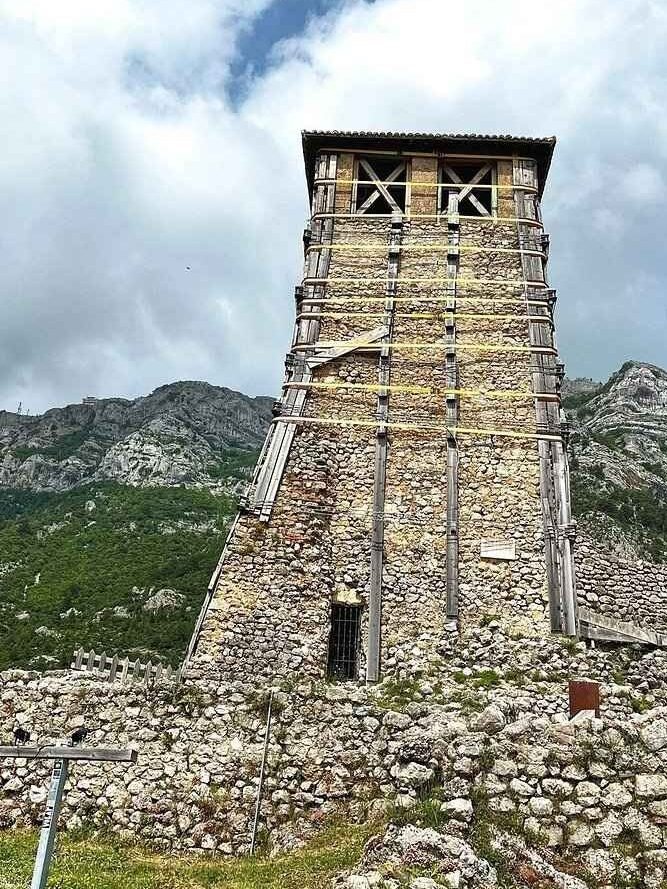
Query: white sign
498	549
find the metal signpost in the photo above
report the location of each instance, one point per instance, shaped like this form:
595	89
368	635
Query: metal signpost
62	756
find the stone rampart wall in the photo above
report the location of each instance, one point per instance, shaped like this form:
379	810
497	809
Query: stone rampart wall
630	590
347	749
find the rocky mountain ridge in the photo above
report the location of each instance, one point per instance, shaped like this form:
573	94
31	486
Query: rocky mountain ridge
618	457
198	435
183	433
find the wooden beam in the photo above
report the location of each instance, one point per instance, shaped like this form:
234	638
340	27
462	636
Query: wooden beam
452	408
562	617
381	189
380	470
90	754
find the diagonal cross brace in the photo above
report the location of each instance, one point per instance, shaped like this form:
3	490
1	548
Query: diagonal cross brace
467	191
380	187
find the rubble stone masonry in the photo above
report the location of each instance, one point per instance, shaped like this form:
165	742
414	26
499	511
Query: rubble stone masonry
269	617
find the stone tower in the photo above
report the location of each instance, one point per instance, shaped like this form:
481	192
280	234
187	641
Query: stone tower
414	479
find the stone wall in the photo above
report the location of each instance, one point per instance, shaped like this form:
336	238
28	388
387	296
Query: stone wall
269	617
630	590
491	717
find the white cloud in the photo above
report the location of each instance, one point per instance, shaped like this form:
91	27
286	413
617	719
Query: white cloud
643	183
124	162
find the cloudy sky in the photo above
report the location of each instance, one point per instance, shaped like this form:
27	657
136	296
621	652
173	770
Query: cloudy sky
143	137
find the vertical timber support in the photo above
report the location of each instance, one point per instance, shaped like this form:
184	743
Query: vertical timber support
380	472
452	406
554	477
270	467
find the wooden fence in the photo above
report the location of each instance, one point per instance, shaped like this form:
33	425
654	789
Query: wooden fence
115	669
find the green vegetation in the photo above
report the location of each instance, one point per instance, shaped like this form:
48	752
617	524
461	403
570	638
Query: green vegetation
59	556
578	400
106	863
396	694
425	813
481	679
613	439
642	511
60	448
234	463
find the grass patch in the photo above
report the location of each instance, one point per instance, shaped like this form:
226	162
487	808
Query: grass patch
108	863
396	694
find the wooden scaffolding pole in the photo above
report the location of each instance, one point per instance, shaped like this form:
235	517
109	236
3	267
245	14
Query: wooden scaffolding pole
452	406
380	472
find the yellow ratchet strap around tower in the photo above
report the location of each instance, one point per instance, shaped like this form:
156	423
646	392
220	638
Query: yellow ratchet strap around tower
431	248
473	300
416	347
504	282
446	185
419	427
470	316
513	394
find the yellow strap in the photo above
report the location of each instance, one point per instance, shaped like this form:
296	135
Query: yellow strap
443	314
506	282
442	248
419	427
445	185
408	346
475	300
523	220
518	394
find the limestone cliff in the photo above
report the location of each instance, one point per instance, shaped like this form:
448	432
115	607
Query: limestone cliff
180	434
618	453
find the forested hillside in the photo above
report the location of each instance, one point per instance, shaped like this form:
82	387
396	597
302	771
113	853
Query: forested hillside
109	566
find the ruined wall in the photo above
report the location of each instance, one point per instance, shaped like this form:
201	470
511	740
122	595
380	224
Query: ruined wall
629	590
346	749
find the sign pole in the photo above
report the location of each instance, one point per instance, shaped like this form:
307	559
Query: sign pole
47	836
62	755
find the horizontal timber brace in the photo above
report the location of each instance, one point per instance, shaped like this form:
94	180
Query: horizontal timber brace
428	390
57	751
431	248
524	220
442	428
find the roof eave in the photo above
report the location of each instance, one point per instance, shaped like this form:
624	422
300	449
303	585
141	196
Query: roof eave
540	148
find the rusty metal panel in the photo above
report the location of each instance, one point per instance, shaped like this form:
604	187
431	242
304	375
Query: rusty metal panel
584	695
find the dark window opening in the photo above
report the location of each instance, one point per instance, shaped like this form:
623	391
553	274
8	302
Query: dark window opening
468	177
387	196
344	641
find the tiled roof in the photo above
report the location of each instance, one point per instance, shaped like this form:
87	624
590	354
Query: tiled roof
307	134
539	147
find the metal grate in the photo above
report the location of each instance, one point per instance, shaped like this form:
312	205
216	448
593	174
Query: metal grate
344	641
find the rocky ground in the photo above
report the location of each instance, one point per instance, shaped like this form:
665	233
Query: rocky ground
470	766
